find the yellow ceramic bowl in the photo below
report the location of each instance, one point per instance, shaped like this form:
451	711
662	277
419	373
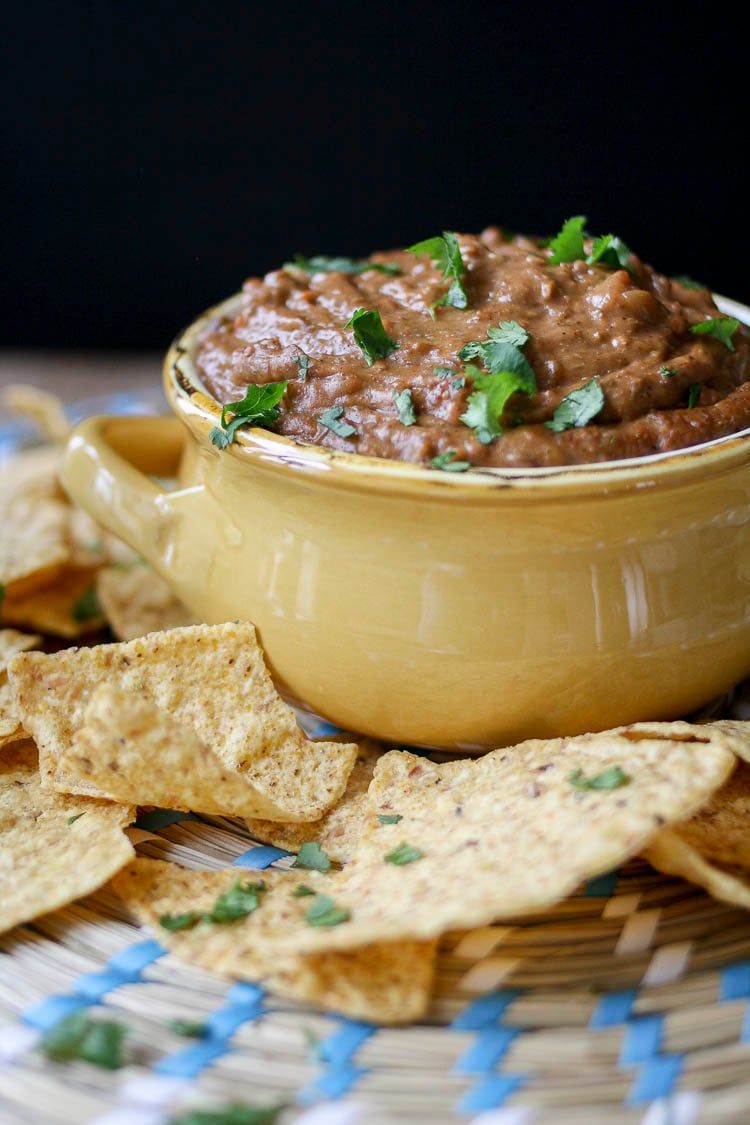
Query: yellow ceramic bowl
459	611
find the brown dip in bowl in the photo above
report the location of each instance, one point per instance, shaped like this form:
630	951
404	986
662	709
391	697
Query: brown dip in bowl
614	331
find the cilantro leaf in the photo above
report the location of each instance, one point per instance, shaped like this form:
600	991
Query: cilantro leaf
234	1113
445	253
567	245
405	406
487	402
302	890
240	900
720	327
611	778
610	251
444	372
664	370
577	408
259	407
389	818
312	857
331	419
77	1036
190	1029
403	854
694	393
370	335
325	912
499	356
509	332
445	462
319	263
87	607
303	363
175	922
76	816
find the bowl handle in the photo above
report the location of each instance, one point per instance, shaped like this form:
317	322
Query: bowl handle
107	468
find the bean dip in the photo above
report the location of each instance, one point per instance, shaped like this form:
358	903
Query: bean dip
621	339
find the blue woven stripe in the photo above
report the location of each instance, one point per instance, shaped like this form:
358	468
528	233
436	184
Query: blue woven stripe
243	1004
735	981
657	1079
333	1083
642	1040
603	886
50	1011
484	1011
494	1091
191	1061
341	1045
338	1050
745	1033
613	1009
486	1051
259	858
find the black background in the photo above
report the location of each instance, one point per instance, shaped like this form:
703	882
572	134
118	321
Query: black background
155	155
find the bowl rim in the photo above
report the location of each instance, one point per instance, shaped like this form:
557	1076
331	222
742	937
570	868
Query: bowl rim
191	401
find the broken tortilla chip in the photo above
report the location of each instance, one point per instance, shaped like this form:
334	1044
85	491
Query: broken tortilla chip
338	831
671	854
386	984
720	830
132	752
211	678
510	833
53	848
41	407
11	642
136	601
66	608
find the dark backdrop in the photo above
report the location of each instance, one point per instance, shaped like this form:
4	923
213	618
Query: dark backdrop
157	154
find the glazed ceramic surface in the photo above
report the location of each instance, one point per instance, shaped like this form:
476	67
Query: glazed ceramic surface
458	611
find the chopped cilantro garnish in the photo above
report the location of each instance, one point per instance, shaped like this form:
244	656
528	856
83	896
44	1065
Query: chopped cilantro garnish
234	1113
303	362
664	370
611	778
331	419
403	854
405	406
74	818
259	407
445	462
78	1036
312	857
444	372
301	890
240	900
508	372
325	912
610	251
389	818
459	382
694	393
499	355
567	245
577	408
445	253
509	332
87	607
190	1029
720	327
184	921
370	335
319	263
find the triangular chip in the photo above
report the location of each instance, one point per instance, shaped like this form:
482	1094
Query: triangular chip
136	601
386	984
133	752
67	608
720	830
53	848
11	642
211	678
339	830
459	845
669	853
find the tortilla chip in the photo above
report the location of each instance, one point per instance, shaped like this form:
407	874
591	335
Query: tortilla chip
35	545
132	752
137	601
721	829
387	983
68	608
41	407
211	678
509	833
339	830
11	642
48	858
669	853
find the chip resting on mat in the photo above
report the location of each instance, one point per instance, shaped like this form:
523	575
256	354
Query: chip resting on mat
11	642
338	831
670	853
54	848
211	678
133	752
136	600
210	918
461	844
720	830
